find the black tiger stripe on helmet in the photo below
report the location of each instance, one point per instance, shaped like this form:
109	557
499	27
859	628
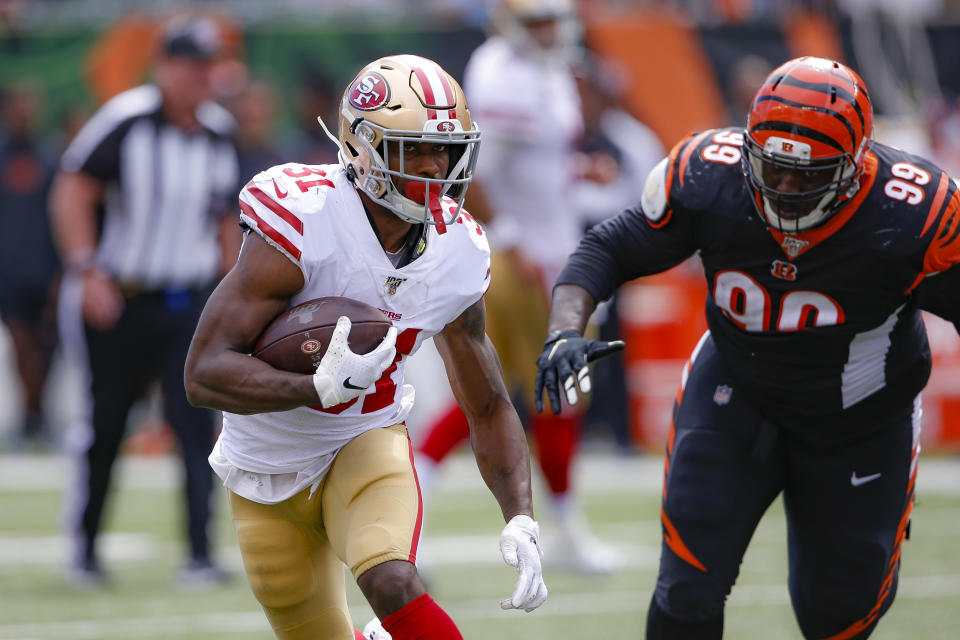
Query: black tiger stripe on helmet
811	114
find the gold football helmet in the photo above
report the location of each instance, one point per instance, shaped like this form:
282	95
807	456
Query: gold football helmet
403	99
512	19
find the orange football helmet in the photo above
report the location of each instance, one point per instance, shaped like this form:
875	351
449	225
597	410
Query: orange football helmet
812	116
407	99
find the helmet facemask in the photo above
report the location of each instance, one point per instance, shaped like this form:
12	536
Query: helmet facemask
796	211
806	142
417	205
401	100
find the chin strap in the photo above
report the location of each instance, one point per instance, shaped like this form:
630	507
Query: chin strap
341	153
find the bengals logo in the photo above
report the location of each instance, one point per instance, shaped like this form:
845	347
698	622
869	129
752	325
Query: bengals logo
446	125
369	92
784	270
787	147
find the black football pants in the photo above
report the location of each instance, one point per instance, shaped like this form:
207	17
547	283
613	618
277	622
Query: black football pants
847	512
148	343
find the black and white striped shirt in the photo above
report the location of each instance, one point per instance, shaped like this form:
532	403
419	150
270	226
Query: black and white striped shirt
165	189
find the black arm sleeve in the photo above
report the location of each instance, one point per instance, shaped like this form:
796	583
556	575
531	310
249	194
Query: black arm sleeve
626	247
103	162
940	294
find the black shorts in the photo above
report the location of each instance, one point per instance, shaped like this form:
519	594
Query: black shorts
25	305
847	508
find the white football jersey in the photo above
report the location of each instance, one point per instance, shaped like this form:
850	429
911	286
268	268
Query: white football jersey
314	216
529	111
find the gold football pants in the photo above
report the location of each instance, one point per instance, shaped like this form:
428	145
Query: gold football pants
366	511
517	314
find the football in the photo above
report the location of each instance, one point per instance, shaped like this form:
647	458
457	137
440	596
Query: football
297	339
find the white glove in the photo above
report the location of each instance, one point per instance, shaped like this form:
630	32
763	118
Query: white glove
342	375
520	548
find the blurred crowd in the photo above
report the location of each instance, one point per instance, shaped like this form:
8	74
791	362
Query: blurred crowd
30	152
23	15
275	124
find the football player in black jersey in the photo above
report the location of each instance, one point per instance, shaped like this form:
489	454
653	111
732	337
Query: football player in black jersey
820	247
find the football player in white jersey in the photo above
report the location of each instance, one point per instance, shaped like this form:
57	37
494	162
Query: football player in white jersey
321	474
522	89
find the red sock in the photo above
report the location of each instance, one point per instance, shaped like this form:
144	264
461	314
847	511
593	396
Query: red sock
421	619
557	439
445	434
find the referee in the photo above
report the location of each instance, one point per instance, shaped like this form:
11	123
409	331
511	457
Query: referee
140	211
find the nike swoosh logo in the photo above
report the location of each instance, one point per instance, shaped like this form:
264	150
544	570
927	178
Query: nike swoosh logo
859	480
346	383
276	187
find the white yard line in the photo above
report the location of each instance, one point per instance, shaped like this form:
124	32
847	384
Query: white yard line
596	473
559	605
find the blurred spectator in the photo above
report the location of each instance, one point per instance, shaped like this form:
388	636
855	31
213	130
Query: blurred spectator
27	256
158	161
945	139
255	109
317	97
748	73
522	93
616	153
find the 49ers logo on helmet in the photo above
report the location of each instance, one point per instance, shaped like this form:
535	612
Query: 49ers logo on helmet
370	91
446	125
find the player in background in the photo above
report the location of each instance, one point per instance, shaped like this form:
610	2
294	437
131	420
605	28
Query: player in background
320	473
521	87
615	153
820	247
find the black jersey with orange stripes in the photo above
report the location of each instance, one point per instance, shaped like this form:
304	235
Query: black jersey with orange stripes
821	327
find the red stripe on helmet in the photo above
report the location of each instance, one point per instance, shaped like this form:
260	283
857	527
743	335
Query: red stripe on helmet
447	89
425	85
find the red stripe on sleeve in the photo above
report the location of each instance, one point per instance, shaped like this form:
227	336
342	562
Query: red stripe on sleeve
271	204
269	231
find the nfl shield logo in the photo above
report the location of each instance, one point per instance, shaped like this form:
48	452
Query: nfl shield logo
722	395
793	246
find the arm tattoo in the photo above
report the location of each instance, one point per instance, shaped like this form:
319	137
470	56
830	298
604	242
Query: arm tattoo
473	321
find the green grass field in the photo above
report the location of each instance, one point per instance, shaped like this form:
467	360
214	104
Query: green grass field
143	551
